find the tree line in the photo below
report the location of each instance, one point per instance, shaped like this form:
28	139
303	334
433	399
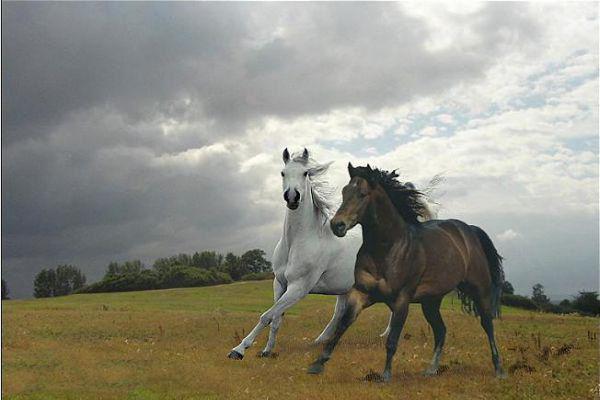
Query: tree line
183	270
585	303
211	268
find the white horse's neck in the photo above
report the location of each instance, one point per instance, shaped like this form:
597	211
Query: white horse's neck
305	220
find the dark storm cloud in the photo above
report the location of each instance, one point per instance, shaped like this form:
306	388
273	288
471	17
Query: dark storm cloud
92	174
142	58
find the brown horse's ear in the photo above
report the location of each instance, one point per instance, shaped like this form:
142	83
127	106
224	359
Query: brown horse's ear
286	156
305	154
351	170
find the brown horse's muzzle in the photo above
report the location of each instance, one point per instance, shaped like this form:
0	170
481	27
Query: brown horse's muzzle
338	227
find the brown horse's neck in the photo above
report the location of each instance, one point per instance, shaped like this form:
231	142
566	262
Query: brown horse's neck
382	224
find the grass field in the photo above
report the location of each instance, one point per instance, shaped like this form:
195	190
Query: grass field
172	344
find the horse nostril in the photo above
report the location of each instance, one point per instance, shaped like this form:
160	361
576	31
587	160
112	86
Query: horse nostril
297	197
285	195
339	227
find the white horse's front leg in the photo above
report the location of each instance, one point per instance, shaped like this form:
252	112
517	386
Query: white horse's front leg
340	306
278	291
292	295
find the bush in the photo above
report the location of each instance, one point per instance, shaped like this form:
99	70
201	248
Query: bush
143	280
587	303
178	276
515	300
183	276
556	309
258	276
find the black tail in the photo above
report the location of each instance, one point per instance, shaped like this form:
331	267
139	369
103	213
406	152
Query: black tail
496	272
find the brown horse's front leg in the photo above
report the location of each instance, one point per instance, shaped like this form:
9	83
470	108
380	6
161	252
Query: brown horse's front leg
400	312
357	301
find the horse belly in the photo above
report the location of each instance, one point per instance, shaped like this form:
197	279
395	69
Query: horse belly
439	282
333	283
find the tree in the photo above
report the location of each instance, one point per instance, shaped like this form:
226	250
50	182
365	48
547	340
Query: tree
565	304
507	288
162	264
206	259
254	261
127	268
587	303
60	282
538	296
233	266
112	270
68	279
184	259
5	290
43	284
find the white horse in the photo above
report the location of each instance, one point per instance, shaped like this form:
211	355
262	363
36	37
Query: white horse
308	258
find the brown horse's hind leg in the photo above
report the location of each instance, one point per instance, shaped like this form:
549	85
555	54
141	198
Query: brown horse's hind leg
485	311
431	311
357	301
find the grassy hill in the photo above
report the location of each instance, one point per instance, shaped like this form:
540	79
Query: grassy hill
172	344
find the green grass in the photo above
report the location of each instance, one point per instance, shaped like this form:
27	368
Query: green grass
172	344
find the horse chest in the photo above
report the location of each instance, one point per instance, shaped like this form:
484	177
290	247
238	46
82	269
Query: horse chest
372	283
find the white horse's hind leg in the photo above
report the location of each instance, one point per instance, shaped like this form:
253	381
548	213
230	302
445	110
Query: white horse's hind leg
278	291
389	326
340	306
293	294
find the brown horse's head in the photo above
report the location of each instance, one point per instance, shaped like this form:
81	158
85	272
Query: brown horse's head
356	196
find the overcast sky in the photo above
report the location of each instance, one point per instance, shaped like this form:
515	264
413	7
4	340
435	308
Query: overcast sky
144	130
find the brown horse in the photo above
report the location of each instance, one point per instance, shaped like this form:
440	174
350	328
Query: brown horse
403	260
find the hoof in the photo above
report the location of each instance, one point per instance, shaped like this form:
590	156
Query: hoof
315	368
266	354
430	372
387	376
501	374
376	377
234	355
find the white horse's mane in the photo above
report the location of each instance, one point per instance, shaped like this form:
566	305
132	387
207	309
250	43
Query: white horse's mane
322	193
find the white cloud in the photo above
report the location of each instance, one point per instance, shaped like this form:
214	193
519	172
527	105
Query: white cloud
508	235
445	119
429	131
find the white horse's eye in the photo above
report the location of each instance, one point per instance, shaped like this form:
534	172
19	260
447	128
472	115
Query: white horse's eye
305	173
282	174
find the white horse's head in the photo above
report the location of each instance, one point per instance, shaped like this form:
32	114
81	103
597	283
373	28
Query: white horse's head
298	171
294	178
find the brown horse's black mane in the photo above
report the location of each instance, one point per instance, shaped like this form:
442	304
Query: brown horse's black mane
406	200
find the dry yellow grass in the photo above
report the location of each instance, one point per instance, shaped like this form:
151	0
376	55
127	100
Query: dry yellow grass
172	344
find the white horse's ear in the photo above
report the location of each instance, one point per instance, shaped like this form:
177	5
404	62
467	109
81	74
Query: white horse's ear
305	154
286	156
